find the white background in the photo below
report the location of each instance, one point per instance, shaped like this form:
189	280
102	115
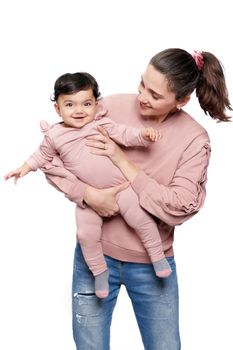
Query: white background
113	40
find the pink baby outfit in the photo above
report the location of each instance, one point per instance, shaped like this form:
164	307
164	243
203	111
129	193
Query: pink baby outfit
171	184
69	144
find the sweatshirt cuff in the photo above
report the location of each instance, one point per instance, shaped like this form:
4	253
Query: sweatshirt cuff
32	163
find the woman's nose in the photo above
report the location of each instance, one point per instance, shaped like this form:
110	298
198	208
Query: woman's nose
143	97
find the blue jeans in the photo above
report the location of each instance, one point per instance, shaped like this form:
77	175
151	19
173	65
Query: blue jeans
154	300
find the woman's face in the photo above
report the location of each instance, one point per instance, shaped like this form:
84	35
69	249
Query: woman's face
155	99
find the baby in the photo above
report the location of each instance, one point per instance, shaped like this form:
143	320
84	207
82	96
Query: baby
76	102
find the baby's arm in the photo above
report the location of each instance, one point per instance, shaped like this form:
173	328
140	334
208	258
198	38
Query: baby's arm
19	172
44	153
129	136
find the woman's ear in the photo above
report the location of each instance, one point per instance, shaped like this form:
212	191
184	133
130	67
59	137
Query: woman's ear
183	102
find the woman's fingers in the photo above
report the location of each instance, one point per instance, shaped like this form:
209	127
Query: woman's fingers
98	140
103	131
120	187
97	137
97	145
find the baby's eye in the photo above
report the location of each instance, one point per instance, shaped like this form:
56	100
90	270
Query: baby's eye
87	104
69	104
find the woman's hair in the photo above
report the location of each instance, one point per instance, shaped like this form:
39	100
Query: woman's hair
71	83
184	76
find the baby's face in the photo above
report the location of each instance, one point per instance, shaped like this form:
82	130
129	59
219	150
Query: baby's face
77	109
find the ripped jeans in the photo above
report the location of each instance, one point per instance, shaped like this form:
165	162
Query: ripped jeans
154	300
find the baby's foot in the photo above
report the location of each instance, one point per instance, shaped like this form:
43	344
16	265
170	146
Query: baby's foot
101	285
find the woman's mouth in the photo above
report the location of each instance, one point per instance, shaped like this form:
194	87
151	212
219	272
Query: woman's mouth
144	106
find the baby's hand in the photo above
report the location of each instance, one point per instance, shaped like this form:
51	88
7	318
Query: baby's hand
19	172
151	134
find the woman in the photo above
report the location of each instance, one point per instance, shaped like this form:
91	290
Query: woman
169	180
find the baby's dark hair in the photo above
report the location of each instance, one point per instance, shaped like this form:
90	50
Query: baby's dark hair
70	83
184	77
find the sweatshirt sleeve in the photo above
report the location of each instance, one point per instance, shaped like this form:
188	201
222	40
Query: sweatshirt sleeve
185	194
47	159
45	153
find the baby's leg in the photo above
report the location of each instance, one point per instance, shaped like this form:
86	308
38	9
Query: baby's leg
146	228
89	231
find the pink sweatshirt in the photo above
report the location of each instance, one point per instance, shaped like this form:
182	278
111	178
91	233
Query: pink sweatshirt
170	185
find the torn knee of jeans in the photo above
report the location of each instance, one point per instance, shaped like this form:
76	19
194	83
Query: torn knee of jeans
83	293
87	307
82	297
85	298
81	319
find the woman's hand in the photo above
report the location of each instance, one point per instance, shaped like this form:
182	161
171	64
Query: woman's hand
103	201
101	144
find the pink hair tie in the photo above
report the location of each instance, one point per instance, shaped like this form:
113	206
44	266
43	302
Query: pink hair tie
198	58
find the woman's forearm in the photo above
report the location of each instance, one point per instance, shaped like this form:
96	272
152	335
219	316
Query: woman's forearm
128	168
104	146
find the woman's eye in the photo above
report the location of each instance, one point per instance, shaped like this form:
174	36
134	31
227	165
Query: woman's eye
142	84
